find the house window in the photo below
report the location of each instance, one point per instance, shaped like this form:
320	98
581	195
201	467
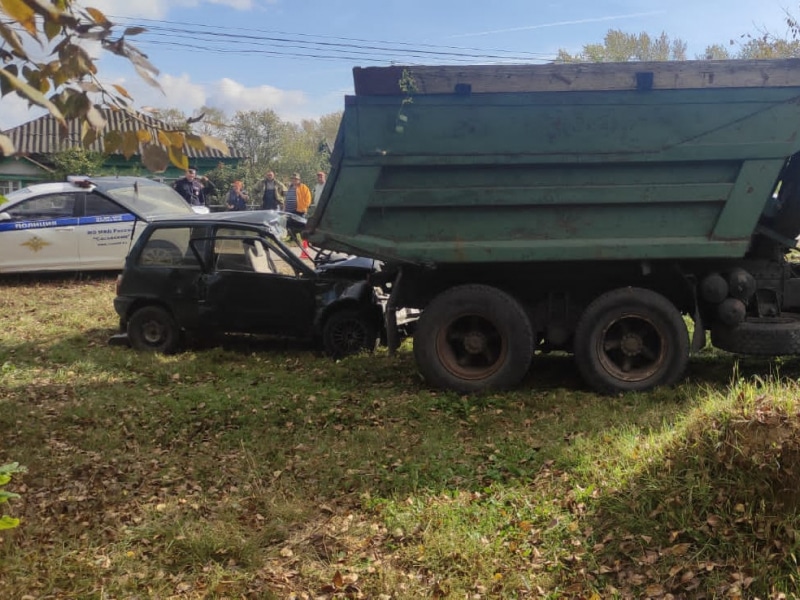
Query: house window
6	187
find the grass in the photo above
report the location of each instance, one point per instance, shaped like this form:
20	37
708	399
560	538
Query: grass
264	470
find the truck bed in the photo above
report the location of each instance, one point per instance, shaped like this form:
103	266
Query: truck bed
560	162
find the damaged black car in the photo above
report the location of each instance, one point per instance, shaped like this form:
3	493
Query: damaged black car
195	277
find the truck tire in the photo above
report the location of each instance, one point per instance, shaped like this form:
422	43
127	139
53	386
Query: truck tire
348	331
631	339
152	329
472	338
773	336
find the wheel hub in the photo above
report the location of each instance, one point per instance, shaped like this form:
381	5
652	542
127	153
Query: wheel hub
152	332
631	344
475	342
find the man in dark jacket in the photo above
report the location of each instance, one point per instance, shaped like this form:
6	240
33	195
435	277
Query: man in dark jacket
274	193
190	188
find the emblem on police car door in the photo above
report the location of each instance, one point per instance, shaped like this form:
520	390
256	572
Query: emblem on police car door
35	243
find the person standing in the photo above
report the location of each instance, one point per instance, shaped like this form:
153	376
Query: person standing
190	188
274	193
298	197
237	199
317	191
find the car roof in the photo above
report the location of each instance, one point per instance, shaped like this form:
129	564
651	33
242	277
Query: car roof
105	185
78	183
258	218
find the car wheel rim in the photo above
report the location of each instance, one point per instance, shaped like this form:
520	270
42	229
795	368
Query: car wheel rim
471	347
157	256
632	348
152	333
350	336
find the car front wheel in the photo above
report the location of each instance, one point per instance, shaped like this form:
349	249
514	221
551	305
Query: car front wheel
348	331
152	329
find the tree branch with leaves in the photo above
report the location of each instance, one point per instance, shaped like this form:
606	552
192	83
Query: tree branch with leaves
45	61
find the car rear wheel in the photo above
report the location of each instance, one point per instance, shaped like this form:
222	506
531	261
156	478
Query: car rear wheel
152	329
349	331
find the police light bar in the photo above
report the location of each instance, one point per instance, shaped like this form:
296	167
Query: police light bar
79	180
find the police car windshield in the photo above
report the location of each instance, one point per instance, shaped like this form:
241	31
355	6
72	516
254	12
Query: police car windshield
145	198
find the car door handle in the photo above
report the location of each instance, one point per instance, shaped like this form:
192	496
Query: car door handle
64	229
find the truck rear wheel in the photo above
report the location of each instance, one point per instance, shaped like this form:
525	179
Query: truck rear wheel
473	338
631	339
766	336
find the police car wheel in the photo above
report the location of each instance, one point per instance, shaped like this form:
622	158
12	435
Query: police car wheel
152	329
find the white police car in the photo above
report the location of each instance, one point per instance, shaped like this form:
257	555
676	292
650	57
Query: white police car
85	223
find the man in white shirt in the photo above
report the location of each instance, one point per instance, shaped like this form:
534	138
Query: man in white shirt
317	191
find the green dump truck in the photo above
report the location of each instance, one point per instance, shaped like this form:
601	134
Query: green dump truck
585	208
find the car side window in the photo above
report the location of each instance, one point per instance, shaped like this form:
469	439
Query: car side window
97	206
169	246
243	251
51	206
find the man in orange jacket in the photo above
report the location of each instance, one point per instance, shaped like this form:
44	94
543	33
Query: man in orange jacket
298	196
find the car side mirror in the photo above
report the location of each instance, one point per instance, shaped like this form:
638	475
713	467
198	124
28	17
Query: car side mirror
4	216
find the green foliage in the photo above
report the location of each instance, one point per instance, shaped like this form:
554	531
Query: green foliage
270	143
257	134
619	46
77	161
221	179
6	471
768	46
716	52
408	85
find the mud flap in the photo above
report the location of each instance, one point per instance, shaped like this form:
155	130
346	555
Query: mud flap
699	334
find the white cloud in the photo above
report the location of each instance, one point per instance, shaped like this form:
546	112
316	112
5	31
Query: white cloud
180	91
157	9
146	9
15	111
232	96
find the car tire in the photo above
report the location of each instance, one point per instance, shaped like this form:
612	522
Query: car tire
473	338
631	339
349	331
160	252
152	329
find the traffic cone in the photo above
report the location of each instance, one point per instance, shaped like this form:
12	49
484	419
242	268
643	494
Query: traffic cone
304	254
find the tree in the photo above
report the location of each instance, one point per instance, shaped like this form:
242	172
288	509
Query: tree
58	64
212	122
619	46
207	120
328	127
258	135
716	52
77	161
174	118
768	46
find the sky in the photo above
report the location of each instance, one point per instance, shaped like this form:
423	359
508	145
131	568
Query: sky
296	56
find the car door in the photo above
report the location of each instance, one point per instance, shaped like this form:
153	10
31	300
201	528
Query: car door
104	233
40	234
266	295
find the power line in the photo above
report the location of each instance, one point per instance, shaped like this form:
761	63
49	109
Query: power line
335	49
